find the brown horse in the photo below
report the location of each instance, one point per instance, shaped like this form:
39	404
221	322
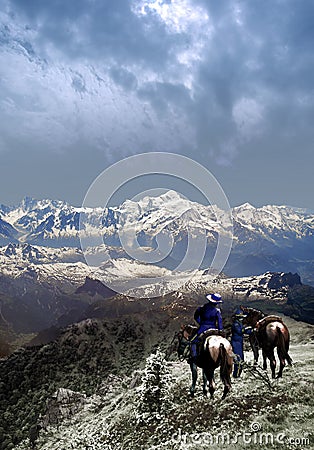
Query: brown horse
269	332
214	351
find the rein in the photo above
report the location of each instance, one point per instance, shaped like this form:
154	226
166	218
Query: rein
186	352
177	335
254	370
182	341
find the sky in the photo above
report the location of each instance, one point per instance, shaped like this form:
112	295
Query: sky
86	83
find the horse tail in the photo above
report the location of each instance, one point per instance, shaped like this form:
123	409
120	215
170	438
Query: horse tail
283	346
224	366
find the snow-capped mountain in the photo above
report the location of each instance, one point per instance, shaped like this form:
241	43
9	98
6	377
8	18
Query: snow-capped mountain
266	238
7	232
272	222
271	238
55	223
54	220
49	222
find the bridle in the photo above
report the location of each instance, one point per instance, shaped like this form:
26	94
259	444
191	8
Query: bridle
183	344
186	344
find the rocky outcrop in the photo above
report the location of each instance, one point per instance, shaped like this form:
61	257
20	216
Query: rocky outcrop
279	280
300	304
63	404
93	287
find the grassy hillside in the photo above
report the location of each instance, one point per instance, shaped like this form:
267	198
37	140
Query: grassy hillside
107	358
114	419
83	356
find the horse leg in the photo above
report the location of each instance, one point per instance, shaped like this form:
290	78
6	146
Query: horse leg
282	362
254	347
226	391
272	360
209	373
193	367
282	350
264	359
226	381
225	363
282	365
204	383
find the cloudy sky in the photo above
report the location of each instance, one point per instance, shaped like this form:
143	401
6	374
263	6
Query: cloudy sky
85	83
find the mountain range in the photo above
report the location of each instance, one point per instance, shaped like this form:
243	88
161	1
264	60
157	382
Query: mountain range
63	328
269	238
45	284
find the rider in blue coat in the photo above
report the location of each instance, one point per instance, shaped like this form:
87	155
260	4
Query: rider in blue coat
208	317
237	331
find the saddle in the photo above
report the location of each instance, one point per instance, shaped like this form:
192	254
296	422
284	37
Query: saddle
211	332
200	339
261	324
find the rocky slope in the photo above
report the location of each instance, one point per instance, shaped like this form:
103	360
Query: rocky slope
36	296
278	291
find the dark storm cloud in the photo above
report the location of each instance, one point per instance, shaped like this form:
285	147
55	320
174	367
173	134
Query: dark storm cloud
99	29
261	51
217	80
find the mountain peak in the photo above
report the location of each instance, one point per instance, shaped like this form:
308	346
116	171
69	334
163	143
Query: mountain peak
172	195
27	203
245	205
166	197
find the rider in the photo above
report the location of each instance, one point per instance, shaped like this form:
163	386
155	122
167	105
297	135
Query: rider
237	331
208	317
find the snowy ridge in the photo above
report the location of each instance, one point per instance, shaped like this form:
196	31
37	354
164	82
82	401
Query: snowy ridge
35	265
17	252
269	218
57	274
37	221
266	238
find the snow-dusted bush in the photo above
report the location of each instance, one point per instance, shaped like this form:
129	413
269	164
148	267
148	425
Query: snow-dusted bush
154	392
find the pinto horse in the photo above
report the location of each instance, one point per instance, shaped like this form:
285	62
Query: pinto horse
215	351
269	332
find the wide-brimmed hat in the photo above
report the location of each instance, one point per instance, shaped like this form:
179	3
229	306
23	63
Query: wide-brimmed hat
239	313
214	298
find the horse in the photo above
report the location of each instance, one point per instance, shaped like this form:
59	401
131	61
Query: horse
269	332
215	351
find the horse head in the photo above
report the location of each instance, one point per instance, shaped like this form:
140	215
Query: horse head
184	336
252	315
